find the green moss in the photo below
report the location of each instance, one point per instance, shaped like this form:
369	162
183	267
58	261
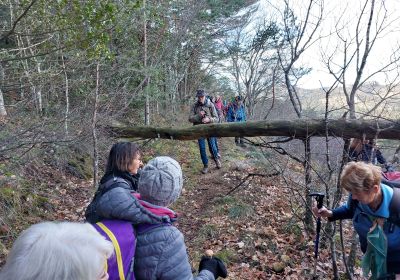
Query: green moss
81	166
10	197
222	204
209	231
227	256
7	193
40	201
241	210
292	227
226	200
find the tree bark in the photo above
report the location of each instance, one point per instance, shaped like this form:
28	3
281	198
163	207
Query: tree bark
94	133
3	112
300	129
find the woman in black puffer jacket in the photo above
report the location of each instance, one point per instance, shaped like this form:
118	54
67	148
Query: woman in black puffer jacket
113	199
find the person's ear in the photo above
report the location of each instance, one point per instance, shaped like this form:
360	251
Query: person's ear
375	188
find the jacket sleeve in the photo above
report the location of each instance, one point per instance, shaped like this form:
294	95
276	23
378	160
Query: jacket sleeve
193	116
345	211
119	203
379	157
174	261
214	118
230	114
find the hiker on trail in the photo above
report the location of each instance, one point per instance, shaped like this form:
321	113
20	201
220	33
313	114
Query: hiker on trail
58	250
204	112
219	107
367	151
371	205
237	113
113	199
161	251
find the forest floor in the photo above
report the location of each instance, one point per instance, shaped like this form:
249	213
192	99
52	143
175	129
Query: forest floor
255	228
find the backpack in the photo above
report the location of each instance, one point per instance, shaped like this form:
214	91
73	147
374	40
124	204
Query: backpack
122	234
90	213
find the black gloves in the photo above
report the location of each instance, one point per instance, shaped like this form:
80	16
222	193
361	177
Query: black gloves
214	265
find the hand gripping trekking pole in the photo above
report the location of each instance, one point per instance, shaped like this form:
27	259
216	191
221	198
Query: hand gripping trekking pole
319	197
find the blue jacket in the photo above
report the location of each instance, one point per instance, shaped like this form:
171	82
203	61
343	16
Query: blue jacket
236	113
366	153
362	223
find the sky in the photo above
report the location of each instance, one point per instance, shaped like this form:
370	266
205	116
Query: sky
342	13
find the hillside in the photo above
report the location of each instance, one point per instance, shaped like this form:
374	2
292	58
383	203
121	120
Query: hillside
255	229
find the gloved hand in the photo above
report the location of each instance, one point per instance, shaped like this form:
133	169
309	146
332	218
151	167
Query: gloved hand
214	265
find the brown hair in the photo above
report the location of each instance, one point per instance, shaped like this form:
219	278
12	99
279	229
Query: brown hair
121	156
356	144
360	176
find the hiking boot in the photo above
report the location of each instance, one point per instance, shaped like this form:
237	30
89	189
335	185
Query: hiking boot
204	170
218	156
218	163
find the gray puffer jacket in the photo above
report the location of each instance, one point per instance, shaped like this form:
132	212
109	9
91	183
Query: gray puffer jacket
120	204
161	255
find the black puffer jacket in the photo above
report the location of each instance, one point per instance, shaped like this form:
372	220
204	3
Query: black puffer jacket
118	203
132	180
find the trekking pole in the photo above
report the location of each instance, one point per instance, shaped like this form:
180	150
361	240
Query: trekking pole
319	197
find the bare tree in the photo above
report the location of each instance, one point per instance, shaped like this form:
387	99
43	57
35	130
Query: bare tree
353	66
3	111
252	59
298	35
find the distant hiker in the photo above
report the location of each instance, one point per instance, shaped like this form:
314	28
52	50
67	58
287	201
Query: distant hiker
58	250
219	107
204	112
113	199
161	251
367	151
237	113
374	208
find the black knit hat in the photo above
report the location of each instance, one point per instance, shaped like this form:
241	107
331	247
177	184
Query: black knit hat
200	93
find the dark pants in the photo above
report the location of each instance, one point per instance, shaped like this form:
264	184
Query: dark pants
239	140
212	144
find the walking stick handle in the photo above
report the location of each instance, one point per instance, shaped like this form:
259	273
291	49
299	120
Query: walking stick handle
319	197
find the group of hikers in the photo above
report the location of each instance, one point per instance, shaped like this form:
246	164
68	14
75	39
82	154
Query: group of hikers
129	231
207	110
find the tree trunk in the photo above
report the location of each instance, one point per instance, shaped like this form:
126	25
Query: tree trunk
94	133
308	216
353	252
66	116
300	129
3	112
147	104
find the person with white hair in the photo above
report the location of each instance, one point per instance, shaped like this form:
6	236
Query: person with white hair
58	250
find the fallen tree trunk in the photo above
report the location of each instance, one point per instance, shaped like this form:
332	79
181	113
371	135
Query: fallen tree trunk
300	129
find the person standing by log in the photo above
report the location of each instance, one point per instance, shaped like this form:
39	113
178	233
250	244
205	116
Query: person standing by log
204	112
237	113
